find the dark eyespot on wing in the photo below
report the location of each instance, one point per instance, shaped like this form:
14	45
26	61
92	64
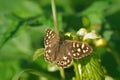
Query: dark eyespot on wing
64	62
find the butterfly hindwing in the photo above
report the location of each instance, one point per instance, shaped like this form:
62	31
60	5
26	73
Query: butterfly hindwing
64	62
64	58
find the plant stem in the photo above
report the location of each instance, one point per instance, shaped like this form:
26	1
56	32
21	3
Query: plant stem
56	28
77	68
62	73
54	16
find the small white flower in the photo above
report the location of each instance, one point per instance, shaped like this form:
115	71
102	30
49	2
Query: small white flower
52	68
91	35
82	32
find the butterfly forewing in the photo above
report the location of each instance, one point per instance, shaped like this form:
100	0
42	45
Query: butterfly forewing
50	37
78	49
51	41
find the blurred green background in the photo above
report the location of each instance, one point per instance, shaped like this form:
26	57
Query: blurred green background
22	26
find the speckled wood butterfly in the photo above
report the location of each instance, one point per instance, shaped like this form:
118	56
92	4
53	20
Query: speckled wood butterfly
62	52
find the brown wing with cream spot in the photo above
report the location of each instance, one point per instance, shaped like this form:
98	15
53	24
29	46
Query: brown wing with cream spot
64	58
51	42
78	49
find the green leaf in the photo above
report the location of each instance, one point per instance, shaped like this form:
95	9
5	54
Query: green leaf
38	53
8	68
89	65
21	43
34	72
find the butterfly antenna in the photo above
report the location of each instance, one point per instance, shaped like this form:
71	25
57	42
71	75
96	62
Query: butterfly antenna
54	16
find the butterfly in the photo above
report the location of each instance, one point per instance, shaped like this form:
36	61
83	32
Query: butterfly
62	52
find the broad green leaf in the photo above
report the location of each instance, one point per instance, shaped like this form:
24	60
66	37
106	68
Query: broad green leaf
35	72
38	53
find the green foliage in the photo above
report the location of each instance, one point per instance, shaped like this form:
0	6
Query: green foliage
22	27
38	53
